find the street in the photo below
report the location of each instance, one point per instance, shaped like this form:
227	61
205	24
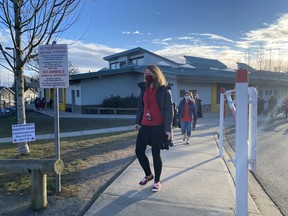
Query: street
272	158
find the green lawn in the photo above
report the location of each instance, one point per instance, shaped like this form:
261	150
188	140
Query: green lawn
45	124
76	152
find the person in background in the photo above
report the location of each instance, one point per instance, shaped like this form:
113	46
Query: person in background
154	121
285	106
198	104
51	103
186	113
272	105
175	111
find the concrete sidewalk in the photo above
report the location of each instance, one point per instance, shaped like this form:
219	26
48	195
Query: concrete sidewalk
195	181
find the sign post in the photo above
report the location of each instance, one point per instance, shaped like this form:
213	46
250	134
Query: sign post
53	62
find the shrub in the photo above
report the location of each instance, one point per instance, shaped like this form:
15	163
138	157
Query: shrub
119	102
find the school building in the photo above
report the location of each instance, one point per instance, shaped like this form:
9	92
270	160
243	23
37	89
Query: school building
199	75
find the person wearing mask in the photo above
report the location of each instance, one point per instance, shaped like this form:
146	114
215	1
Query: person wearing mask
154	121
186	113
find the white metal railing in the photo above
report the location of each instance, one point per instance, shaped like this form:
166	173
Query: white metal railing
245	116
252	123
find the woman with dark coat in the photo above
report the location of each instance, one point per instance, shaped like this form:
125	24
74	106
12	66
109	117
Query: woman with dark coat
186	115
154	121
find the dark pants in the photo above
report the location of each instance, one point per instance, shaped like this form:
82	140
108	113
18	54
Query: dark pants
153	136
194	124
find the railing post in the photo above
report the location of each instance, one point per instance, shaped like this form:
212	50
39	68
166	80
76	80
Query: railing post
221	122
252	128
241	143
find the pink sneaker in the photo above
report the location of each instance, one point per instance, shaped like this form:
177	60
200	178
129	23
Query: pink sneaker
146	179
156	187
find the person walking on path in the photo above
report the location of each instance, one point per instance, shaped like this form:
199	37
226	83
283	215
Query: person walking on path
198	104
186	114
154	121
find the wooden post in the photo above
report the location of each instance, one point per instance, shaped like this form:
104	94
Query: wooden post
38	169
38	190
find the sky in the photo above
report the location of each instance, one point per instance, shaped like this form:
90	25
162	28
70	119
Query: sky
227	30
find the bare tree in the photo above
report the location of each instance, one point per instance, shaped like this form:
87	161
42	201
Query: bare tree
31	23
72	69
260	57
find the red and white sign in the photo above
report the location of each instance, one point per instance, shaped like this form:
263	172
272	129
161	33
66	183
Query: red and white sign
53	62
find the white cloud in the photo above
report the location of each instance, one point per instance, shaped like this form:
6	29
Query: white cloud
216	37
276	32
160	42
5	37
186	38
137	33
223	54
89	57
271	41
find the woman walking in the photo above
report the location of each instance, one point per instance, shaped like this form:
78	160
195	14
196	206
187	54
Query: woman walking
186	112
154	121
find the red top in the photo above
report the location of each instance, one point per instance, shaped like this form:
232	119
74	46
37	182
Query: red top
151	107
186	117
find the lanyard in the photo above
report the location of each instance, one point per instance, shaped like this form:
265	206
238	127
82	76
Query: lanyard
148	97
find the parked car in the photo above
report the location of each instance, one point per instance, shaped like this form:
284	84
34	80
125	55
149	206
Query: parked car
5	110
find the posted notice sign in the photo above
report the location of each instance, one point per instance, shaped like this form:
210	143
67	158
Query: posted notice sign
23	133
53	62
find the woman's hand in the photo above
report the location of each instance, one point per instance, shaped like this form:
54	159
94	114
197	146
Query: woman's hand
136	127
169	136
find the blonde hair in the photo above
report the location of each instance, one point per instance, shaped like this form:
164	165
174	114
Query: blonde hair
191	97
159	76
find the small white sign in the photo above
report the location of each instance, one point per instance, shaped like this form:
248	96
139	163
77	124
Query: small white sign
53	66
23	133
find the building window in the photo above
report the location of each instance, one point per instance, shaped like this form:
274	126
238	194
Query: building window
138	61
78	93
122	63
261	93
114	65
182	92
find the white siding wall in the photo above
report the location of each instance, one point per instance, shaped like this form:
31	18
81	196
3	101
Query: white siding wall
174	89
204	91
69	94
95	90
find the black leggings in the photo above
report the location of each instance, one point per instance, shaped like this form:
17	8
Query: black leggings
153	136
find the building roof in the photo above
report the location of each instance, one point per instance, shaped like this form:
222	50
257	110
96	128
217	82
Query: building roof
7	88
138	51
245	66
202	70
204	63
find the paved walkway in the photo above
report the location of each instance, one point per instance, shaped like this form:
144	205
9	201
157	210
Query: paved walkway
195	181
